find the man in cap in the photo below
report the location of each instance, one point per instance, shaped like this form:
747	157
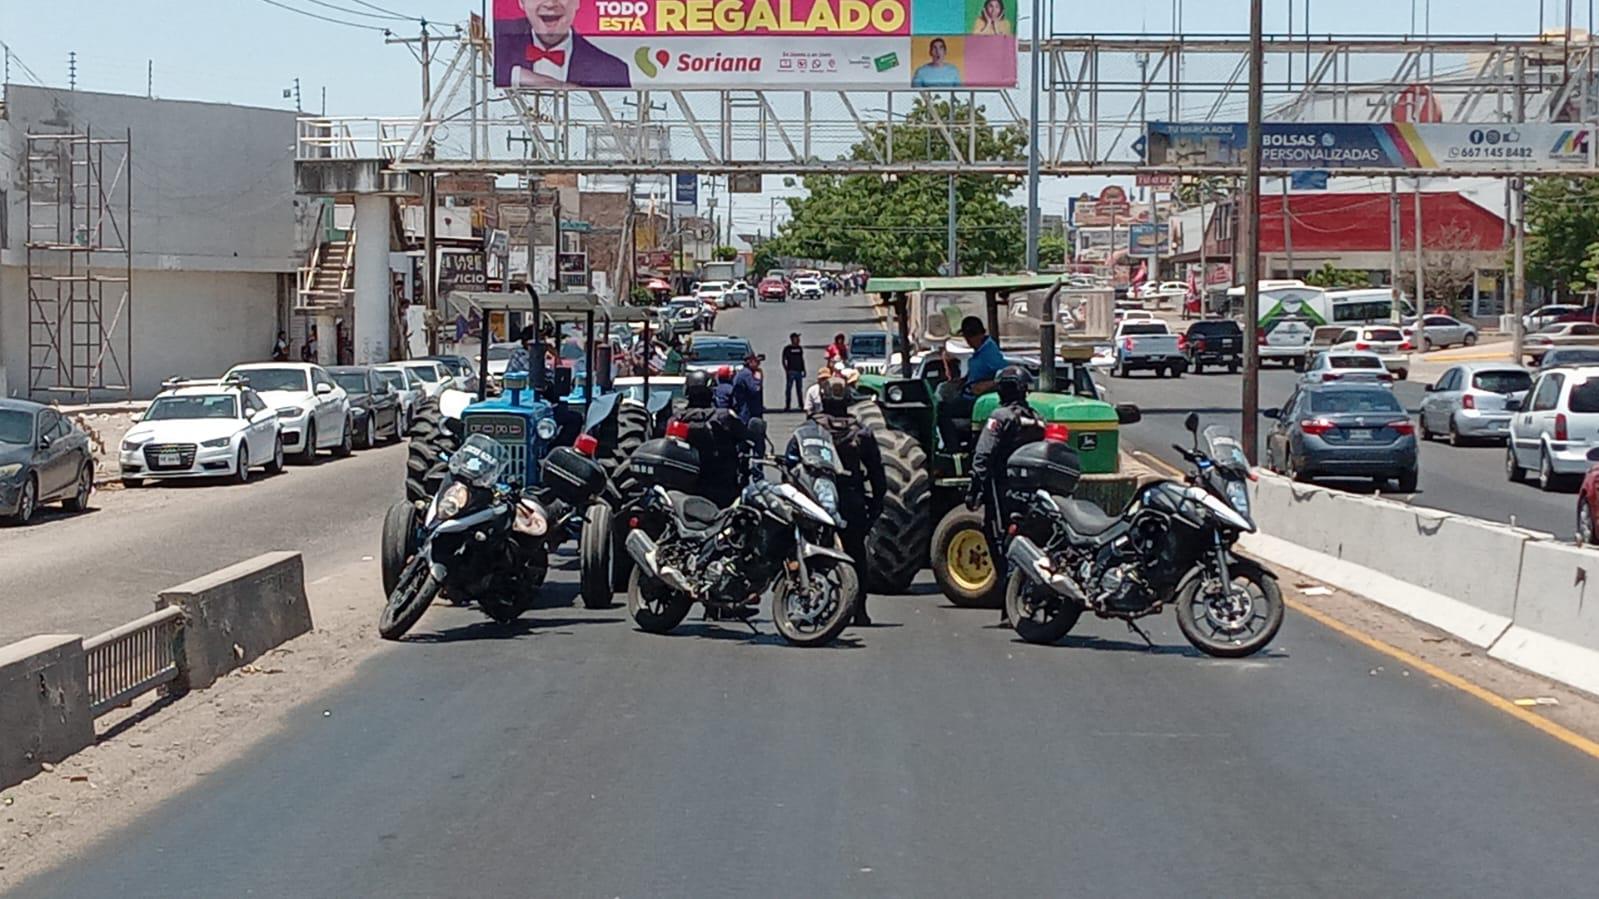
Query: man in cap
813	396
1012	425
722	392
981	371
793	373
748	399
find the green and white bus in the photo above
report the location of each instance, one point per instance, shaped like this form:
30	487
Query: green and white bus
1317	306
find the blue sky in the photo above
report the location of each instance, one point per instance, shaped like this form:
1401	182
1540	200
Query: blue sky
249	51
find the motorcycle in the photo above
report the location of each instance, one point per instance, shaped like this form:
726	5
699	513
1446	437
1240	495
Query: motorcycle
815	467
479	540
1173	545
775	539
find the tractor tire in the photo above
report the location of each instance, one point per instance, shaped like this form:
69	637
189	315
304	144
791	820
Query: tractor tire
425	466
963	563
896	548
619	438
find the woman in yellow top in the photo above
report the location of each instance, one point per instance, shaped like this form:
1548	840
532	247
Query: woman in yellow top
992	19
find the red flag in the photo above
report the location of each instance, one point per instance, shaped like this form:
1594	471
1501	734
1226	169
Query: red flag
1141	274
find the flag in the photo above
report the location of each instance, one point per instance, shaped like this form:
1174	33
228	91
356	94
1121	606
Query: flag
1140	274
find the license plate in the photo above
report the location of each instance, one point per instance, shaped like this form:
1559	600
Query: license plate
1157	358
1360	434
172	459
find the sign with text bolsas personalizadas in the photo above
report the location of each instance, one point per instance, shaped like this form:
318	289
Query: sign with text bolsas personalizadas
796	44
1406	146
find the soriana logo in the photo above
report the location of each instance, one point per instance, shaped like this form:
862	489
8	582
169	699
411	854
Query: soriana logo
652	62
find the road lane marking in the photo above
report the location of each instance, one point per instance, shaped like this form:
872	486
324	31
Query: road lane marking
1570	738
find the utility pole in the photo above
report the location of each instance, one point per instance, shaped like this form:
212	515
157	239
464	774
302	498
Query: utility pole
1154	252
1518	291
951	254
297	96
1421	277
1288	229
72	69
149	79
1395	311
1251	225
1036	73
430	286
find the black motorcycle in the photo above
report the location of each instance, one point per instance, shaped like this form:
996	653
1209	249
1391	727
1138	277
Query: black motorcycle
1172	545
814	467
480	540
775	539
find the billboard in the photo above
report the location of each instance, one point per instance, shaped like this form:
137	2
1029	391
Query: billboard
687	189
1146	239
1341	145
797	44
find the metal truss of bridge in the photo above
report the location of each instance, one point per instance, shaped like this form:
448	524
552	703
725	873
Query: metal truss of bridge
1101	90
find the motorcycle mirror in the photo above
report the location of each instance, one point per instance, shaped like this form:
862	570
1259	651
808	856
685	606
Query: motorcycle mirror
1128	414
1192	423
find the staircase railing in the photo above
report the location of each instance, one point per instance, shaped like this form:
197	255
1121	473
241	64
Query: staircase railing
314	256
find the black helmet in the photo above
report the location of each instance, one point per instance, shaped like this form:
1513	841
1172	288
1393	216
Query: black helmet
835	396
1012	384
697	388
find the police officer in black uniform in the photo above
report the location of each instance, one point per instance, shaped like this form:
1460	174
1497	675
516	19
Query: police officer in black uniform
1011	426
718	435
862	466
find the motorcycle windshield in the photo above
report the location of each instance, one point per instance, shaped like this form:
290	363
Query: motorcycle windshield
480	461
816	449
1225	450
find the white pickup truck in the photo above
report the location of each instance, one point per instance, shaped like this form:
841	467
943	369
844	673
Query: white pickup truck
1147	346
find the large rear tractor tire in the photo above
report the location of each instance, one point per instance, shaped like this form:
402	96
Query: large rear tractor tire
430	441
619	437
963	564
896	548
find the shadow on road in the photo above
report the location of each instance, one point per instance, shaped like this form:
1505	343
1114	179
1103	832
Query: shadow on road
736	632
493	630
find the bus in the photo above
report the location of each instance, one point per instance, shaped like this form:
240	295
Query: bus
1318	306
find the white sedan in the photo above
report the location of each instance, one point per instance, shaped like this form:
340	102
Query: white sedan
313	410
200	429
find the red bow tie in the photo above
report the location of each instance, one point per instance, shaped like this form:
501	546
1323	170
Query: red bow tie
536	53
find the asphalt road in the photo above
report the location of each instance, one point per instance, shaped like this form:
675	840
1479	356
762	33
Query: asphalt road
1467	480
932	755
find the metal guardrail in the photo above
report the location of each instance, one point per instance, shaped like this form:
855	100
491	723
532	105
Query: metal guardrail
131	660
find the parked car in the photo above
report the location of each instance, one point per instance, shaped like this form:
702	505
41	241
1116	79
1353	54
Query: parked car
1547	315
1288	342
203	429
1588	502
806	288
713	292
708	352
1346	366
682	315
312	409
1440	331
462	370
1387	341
43	459
1343	430
408	388
435	377
1559	334
1468	402
1554	426
773	290
1569	355
1324	336
741	294
1588	313
374	404
1215	341
1134	315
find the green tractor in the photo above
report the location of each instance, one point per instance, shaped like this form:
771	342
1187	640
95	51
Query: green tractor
924	519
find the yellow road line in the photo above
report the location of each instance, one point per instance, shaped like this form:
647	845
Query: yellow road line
1569	737
1467	357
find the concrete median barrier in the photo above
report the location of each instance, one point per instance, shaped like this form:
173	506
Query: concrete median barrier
1556	628
234	615
44	704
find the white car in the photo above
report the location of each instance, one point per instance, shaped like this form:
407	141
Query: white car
806	288
412	391
313	410
202	429
712	292
1554	425
1346	367
1386	341
1547	315
435	377
741	294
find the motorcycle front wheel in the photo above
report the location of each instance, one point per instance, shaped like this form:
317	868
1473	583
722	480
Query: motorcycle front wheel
1038	614
655	607
410	597
817	614
1234	622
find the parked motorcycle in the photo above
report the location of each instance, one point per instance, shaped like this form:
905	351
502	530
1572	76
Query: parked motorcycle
481	540
775	539
1172	545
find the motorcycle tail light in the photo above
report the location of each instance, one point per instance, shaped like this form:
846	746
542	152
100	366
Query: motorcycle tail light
1056	433
586	444
633	522
1011	531
677	430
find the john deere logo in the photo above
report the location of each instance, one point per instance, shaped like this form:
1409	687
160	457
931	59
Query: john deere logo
651	64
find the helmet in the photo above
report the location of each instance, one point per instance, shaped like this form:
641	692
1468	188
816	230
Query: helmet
1012	384
835	396
697	388
725	374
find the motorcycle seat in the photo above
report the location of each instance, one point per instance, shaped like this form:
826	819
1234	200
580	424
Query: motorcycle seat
1086	518
697	512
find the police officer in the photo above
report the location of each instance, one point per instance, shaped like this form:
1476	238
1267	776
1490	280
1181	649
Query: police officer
862	467
717	435
1013	425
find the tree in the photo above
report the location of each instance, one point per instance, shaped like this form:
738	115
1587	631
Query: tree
1051	250
1450	258
899	224
724	253
764	260
1562	230
1329	277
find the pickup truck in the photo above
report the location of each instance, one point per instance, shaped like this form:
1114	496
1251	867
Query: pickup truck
1148	346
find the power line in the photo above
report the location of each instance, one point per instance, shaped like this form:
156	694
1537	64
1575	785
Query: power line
32	76
385	10
361	12
306	12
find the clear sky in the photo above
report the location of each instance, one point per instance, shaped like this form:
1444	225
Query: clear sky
250	51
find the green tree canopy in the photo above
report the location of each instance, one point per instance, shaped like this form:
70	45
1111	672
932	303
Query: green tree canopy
898	225
1562	232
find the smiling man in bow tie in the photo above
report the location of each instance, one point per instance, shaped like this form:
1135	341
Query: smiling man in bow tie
544	51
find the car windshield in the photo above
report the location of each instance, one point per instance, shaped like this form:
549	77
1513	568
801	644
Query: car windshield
1333	402
722	351
1384	334
393	379
1585	396
500	352
1141	328
426	372
1570	357
1224	329
1551	329
353	382
214	405
868	345
1354	362
263	379
1510	381
16	426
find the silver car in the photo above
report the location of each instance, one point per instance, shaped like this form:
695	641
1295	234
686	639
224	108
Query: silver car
1468	402
1347	367
1442	331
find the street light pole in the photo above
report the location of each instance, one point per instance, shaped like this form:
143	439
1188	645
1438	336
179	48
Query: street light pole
1251	229
1035	68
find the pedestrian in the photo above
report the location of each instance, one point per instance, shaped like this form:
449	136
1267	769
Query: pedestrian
813	396
838	351
1012	425
722	393
748	399
793	373
280	348
308	351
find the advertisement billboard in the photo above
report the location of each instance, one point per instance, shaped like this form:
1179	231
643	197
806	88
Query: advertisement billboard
798	44
1145	239
1340	145
687	189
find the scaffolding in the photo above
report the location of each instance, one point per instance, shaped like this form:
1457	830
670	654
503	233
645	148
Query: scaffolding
79	266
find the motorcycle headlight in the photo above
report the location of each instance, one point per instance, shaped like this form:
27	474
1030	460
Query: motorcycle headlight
217	443
10	471
1238	495
546	429
827	495
452	501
